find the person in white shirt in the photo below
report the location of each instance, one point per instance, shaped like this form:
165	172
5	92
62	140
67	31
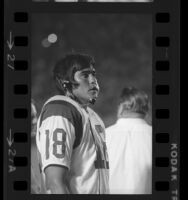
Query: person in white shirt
129	146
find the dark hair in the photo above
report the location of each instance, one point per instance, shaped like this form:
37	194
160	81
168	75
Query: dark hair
65	69
134	100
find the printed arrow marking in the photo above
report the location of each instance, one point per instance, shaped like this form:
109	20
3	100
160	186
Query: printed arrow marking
10	140
10	42
11	67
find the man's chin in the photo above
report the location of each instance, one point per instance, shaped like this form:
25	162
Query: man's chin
94	96
92	101
89	99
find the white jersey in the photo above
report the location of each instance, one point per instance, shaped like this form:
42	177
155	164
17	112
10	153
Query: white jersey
69	135
129	145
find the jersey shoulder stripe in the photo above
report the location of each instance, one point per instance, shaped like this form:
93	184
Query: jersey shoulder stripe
66	110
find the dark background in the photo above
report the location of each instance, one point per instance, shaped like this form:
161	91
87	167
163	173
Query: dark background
120	43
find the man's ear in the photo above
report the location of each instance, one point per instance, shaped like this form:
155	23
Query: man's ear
76	76
75	81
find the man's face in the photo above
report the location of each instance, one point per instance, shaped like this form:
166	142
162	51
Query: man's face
88	88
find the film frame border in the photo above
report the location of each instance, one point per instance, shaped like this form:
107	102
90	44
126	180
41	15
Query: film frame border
165	107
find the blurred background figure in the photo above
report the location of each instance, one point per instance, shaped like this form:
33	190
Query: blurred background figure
35	172
129	145
33	119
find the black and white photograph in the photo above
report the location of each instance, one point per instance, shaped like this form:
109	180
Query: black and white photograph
91	103
91	99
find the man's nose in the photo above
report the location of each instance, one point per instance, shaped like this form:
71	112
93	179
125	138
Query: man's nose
92	79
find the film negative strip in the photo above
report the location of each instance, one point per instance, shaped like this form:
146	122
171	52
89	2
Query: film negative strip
136	45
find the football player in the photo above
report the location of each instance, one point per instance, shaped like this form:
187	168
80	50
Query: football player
70	135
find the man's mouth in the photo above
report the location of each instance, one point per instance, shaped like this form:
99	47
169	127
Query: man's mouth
94	89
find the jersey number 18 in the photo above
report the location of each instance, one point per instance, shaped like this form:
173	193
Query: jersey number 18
57	142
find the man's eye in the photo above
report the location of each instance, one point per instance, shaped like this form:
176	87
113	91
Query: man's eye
94	74
85	75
